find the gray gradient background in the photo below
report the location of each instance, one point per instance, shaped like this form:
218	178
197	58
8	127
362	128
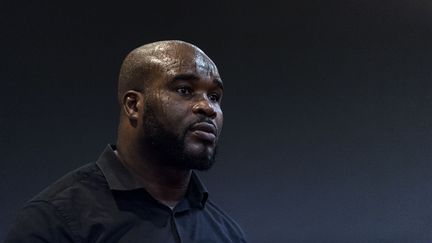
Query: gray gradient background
328	126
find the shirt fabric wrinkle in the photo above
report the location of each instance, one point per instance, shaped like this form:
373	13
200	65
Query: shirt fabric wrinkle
103	202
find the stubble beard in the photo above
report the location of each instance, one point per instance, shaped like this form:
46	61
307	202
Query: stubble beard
170	148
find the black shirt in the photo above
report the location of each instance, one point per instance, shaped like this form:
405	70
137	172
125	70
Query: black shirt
102	202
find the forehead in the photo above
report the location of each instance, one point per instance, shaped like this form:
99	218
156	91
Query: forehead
186	60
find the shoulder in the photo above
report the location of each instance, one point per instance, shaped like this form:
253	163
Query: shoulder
75	193
75	190
56	207
84	179
34	223
225	220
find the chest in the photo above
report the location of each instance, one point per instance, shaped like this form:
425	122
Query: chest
148	225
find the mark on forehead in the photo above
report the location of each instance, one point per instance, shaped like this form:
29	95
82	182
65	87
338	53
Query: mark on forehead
202	62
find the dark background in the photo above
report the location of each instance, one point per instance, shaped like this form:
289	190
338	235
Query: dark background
328	126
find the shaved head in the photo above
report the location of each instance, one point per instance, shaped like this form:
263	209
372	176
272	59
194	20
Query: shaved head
146	62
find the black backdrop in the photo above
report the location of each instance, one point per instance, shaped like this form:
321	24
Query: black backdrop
328	126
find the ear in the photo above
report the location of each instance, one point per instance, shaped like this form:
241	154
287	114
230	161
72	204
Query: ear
132	103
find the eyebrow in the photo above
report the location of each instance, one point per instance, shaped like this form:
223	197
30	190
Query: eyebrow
193	77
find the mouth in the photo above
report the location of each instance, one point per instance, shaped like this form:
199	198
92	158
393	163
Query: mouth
204	131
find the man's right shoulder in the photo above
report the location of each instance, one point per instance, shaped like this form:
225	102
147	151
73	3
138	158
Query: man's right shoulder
60	206
77	183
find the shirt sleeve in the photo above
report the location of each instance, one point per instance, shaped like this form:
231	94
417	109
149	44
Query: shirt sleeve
39	222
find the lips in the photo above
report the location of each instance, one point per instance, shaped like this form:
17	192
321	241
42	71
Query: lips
204	130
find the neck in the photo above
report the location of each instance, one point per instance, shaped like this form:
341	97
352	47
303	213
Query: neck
166	184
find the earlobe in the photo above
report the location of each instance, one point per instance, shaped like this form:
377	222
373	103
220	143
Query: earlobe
132	103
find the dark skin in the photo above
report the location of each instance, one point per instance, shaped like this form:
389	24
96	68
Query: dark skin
184	87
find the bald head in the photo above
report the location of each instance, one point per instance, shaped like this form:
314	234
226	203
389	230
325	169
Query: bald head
147	62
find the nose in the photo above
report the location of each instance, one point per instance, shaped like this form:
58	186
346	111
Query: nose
205	108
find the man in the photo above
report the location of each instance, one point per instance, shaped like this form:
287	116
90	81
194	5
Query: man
144	189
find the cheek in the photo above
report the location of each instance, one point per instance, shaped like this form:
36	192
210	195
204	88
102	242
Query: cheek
175	113
219	121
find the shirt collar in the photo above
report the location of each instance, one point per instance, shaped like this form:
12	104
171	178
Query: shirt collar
120	179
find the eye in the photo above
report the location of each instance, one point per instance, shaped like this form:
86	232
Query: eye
214	97
184	90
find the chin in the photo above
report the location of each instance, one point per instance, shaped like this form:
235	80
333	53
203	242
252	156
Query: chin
201	165
199	159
